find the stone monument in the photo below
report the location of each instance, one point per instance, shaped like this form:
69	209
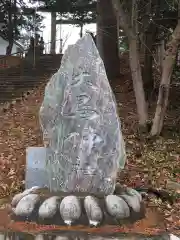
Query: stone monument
79	120
85	148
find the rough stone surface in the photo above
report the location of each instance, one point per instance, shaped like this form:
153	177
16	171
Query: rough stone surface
93	210
19	196
133	192
67	208
26	205
117	207
49	207
80	123
132	201
70	209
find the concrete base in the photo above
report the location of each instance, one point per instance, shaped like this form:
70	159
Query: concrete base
36	173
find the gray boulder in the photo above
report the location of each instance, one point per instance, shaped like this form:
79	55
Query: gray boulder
80	122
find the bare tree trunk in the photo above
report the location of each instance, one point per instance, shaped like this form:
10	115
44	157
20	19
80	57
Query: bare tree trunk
168	64
148	62
15	19
53	33
99	34
142	46
118	33
134	63
107	38
150	32
137	82
161	55
10	29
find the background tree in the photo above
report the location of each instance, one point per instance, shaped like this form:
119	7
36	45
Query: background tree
167	69
85	11
159	19
129	24
107	38
16	20
145	25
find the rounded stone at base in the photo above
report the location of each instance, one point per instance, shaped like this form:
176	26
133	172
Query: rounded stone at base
48	209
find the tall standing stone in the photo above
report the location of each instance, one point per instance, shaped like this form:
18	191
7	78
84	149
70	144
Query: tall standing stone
79	120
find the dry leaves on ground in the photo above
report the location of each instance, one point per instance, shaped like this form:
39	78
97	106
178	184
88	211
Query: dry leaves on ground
19	129
149	162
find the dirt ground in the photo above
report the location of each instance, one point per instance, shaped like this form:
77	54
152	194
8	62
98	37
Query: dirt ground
150	162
